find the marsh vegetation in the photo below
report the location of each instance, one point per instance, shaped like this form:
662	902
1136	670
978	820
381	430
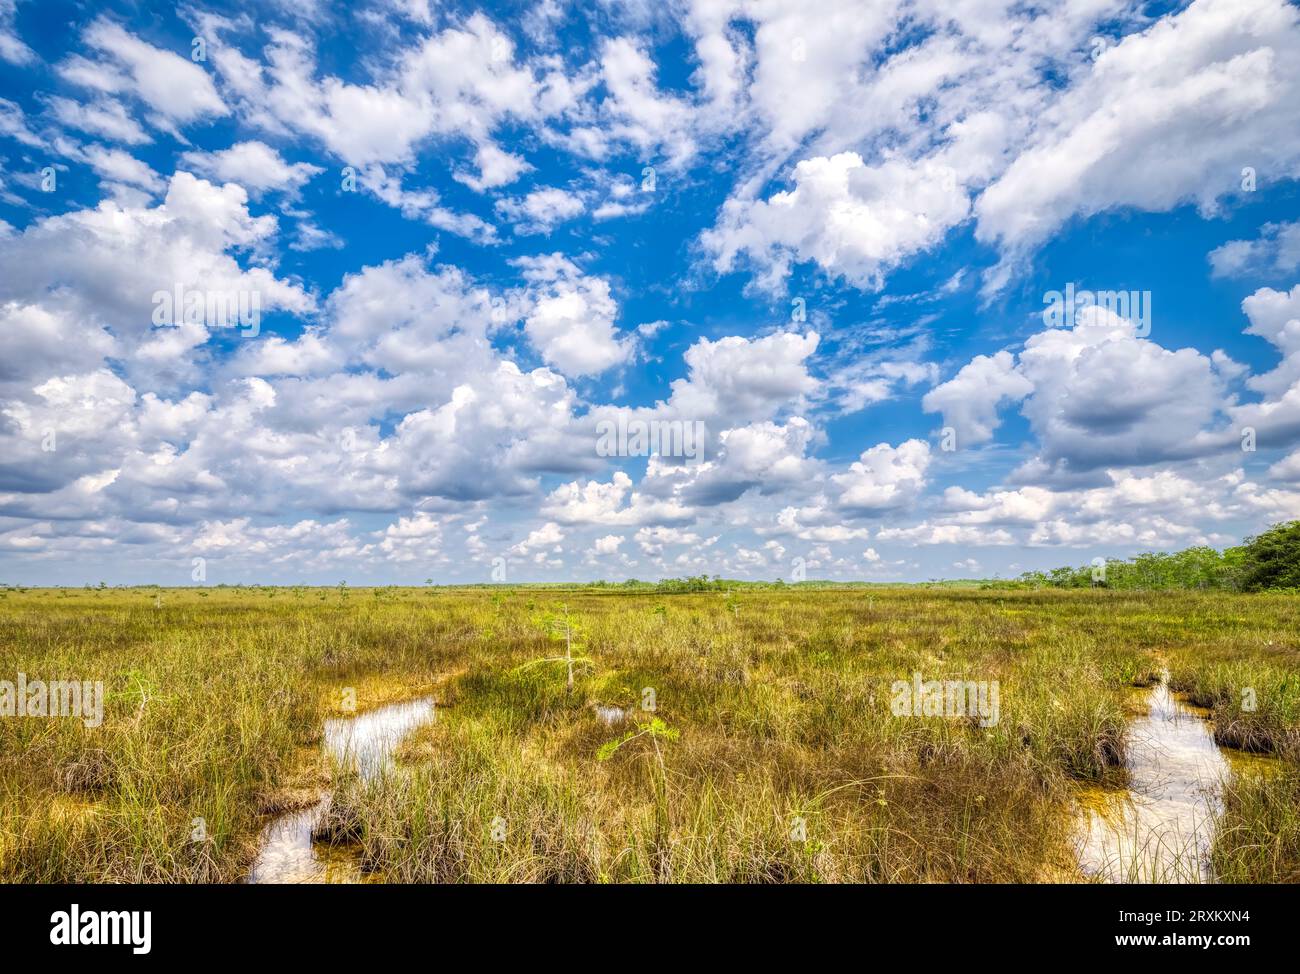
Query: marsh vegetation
605	734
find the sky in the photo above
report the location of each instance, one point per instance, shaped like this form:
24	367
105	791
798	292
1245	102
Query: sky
397	290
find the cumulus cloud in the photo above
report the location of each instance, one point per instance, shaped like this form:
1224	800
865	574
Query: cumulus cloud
107	265
1286	469
767	457
1275	317
851	219
496	432
636	110
570	318
1095	395
612	503
547	537
1161	509
970	400
884	478
744	379
496	167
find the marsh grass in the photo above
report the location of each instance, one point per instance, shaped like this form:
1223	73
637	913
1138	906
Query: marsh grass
778	703
1256	702
1258	839
212	703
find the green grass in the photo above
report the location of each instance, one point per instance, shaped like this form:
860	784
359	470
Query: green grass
775	723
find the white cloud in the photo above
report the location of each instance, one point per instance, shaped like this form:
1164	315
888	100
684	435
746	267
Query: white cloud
884	478
637	111
933	534
816	522
767	457
416	538
1095	395
570	318
654	540
613	503
1275	251
970	400
463	81
105	265
116	166
174	87
744	379
496	432
496	167
1275	317
425	205
541	210
1103	396
1160	509
12	48
1167	116
14	125
853	220
547	537
254	165
103	117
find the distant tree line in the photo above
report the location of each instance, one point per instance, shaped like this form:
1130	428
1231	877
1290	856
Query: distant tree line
703	583
1268	561
681	586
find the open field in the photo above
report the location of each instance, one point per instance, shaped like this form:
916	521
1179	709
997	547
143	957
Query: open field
771	755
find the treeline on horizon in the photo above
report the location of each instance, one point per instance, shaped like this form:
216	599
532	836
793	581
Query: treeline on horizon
1266	562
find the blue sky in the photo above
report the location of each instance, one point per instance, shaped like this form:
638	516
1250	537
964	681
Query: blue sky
466	240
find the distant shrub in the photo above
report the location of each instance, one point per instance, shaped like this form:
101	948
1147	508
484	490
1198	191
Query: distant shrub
1270	561
693	583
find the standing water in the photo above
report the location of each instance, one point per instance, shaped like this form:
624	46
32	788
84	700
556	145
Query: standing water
364	743
1160	829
